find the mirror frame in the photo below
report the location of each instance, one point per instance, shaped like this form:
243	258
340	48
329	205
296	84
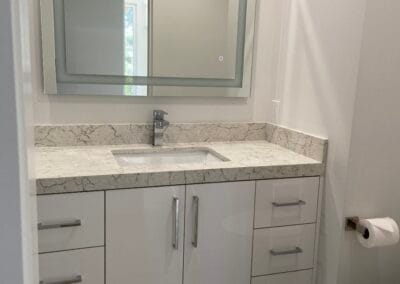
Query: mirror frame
56	81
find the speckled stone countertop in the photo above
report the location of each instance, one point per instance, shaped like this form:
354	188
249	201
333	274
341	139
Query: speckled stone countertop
89	168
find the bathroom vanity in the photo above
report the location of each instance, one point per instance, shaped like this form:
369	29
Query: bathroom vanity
248	215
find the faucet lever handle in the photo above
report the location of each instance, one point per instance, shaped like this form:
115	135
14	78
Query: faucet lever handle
159	114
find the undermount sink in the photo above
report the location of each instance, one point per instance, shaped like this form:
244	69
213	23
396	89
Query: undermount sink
167	156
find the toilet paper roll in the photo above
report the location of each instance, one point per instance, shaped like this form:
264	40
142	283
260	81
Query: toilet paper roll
381	232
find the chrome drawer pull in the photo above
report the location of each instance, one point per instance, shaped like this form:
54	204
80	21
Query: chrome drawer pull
287	204
275	252
75	279
175	223
68	224
195	228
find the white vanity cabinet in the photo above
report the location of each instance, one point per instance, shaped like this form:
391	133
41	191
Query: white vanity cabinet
218	233
250	232
285	231
145	234
85	266
71	238
70	221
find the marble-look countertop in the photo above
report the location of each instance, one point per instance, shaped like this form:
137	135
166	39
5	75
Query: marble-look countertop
89	168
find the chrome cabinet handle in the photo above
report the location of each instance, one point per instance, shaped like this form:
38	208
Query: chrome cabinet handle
195	215
276	252
59	225
175	223
75	279
287	204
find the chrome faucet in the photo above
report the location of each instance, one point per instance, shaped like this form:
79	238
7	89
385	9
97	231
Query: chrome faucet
159	124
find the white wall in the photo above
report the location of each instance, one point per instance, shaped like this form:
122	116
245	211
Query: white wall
316	87
307	58
18	263
339	77
79	109
374	165
11	251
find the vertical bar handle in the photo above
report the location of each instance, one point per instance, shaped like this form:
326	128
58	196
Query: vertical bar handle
195	214
175	223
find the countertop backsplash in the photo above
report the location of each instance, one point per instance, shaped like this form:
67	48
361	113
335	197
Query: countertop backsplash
141	133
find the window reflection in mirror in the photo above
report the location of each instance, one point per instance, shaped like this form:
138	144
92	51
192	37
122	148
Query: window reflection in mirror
135	44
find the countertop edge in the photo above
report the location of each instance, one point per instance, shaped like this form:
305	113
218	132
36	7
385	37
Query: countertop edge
47	186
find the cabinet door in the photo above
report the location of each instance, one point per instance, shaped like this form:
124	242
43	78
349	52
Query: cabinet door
144	235
218	233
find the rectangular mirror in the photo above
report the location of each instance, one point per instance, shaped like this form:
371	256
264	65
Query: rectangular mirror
148	47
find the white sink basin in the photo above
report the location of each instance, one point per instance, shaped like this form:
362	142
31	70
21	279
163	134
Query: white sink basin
167	156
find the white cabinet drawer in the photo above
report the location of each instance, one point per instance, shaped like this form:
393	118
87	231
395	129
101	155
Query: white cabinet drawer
286	202
283	249
298	277
65	210
88	264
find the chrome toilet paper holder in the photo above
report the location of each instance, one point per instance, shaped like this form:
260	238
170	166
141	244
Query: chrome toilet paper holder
353	224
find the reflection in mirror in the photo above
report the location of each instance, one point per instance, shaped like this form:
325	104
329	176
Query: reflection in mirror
149	47
136	33
108	40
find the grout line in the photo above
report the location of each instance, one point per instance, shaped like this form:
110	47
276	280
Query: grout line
105	237
317	234
282	226
284	272
253	230
74	249
184	234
